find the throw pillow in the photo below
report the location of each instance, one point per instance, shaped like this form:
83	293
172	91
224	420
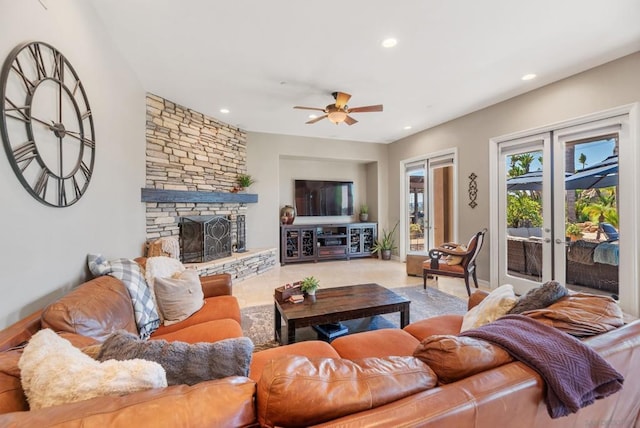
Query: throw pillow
453	358
456	260
540	297
128	271
55	372
300	391
495	305
180	296
162	267
184	363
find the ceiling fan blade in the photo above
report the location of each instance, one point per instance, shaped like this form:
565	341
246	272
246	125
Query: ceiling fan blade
315	120
342	99
350	121
309	108
366	109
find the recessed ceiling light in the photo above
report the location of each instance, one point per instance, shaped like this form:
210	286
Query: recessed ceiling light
312	116
529	76
224	110
389	43
407	127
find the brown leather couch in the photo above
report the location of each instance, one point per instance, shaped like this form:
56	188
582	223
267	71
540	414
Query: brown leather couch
510	395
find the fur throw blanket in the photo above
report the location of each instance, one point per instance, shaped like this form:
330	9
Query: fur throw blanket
184	363
55	372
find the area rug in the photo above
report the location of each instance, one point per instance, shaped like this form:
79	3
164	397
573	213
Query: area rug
257	321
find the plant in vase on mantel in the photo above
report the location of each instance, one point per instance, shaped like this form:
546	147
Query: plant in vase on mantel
364	212
243	182
309	285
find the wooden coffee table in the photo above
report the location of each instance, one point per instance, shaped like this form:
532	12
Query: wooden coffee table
338	304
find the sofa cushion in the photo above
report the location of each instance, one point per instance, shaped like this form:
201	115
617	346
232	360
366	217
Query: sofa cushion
495	305
179	296
540	297
301	391
309	348
375	343
159	267
214	308
55	372
128	271
440	324
581	314
453	358
95	309
209	331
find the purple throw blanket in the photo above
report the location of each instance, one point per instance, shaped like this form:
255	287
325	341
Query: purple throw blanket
575	375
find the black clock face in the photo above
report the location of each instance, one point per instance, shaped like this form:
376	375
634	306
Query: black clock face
46	124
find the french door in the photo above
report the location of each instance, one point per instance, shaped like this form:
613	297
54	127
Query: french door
555	192
428	213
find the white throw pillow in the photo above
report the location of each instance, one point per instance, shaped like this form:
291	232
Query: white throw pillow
496	304
55	372
180	296
162	267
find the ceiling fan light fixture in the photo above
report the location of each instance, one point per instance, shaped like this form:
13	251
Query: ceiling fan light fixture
337	116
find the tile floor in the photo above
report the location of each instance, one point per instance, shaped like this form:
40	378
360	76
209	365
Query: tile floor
259	290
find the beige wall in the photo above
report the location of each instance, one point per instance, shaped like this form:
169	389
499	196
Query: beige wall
44	249
613	84
275	160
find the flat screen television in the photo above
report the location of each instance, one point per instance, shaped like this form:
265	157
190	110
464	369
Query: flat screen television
323	198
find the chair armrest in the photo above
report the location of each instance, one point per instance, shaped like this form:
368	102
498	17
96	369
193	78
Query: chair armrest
216	285
477	297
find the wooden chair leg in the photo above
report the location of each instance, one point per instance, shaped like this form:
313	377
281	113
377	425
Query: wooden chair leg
466	282
424	279
475	278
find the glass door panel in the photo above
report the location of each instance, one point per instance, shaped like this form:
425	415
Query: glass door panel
525	213
440	225
591	255
416	209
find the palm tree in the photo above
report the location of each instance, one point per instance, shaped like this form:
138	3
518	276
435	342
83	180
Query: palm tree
582	159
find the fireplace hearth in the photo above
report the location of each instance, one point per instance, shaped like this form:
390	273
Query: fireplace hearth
204	238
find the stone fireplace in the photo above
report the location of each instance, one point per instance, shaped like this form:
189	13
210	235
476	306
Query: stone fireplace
192	163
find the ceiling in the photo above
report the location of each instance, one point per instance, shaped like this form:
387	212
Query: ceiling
260	58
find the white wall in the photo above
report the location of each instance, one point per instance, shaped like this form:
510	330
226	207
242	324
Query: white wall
44	249
610	85
274	160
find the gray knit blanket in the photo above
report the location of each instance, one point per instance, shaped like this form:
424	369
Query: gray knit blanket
574	374
184	363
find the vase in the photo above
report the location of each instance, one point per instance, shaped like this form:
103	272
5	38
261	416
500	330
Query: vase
310	296
386	254
364	217
287	214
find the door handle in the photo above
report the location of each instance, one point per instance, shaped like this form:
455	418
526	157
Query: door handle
547	240
559	241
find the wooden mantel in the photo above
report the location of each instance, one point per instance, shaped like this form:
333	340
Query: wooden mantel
194	196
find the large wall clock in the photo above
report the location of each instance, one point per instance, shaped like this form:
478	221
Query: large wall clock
46	124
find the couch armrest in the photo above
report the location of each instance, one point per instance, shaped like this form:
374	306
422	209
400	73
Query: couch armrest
477	297
216	285
223	402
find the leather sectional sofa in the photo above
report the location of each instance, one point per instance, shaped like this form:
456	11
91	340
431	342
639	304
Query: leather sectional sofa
509	395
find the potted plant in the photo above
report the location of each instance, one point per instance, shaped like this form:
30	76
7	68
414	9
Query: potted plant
364	212
385	244
244	180
309	285
573	231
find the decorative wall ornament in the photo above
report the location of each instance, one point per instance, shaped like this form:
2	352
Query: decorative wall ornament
473	190
46	124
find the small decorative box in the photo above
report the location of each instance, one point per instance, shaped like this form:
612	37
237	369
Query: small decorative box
282	293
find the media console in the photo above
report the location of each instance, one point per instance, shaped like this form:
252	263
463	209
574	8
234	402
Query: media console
314	242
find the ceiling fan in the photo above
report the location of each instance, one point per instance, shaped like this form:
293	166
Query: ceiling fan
339	112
